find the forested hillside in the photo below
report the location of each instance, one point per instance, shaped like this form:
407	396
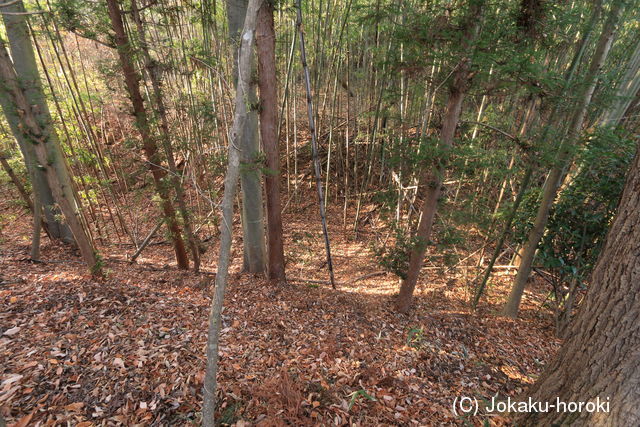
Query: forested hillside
320	212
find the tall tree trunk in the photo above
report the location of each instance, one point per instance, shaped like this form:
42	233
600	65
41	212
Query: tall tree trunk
226	226
433	179
41	138
24	62
563	160
152	69
250	173
268	85
125	53
600	358
55	227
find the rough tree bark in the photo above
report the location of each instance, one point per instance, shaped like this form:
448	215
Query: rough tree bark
38	178
40	138
24	62
267	83
562	162
149	145
250	173
226	226
600	358
434	178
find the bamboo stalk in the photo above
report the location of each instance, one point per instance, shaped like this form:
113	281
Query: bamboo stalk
314	144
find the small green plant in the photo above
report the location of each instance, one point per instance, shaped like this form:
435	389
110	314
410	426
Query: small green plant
395	258
415	337
446	239
229	415
98	267
356	394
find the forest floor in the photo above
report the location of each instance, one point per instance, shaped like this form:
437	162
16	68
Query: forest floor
129	349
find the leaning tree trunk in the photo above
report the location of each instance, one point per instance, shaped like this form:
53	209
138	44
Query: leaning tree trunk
250	171
24	62
226	226
267	83
41	139
149	145
56	229
558	171
600	358
433	179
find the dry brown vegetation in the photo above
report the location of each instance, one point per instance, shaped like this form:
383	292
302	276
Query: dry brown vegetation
129	349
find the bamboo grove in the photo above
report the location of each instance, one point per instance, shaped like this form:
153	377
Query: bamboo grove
468	135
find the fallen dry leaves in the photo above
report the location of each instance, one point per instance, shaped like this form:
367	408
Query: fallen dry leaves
129	350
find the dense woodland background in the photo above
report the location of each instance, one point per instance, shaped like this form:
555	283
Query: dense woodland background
425	193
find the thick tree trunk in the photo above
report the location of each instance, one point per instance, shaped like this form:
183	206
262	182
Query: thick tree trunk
600	358
40	138
433	179
250	173
38	178
149	146
24	62
267	83
563	160
226	226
